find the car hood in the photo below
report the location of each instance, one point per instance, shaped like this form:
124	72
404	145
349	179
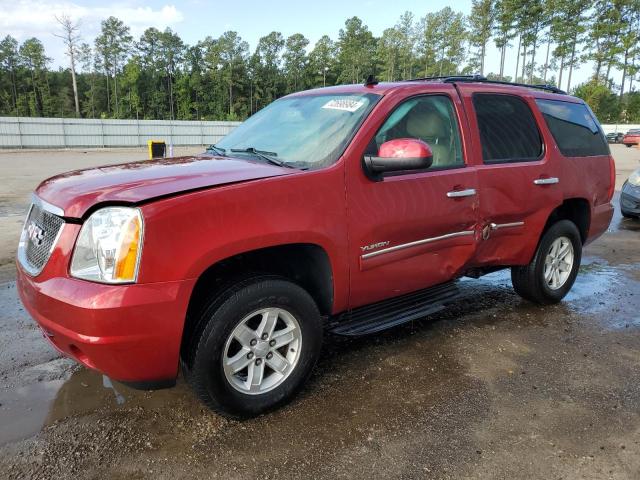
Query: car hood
77	191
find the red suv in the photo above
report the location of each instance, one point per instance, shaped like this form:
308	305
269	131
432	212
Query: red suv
349	209
631	138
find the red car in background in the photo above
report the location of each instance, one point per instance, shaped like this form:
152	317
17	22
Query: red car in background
631	138
350	209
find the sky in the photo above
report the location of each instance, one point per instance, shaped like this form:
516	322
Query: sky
193	20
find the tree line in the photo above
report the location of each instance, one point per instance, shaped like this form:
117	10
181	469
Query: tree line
158	76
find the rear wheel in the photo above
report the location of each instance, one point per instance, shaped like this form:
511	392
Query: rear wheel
553	270
260	342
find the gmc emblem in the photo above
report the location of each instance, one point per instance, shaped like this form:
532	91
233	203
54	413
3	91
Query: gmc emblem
35	233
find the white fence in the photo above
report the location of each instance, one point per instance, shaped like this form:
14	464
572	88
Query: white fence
25	132
619	128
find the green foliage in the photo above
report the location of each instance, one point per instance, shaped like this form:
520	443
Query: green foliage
322	63
481	23
356	52
295	62
158	76
601	99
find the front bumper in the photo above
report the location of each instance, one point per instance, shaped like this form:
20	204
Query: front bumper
131	333
630	199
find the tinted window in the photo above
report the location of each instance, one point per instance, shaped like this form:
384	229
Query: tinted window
508	131
430	118
574	128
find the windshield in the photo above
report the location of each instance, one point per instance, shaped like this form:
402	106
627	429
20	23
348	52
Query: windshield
309	131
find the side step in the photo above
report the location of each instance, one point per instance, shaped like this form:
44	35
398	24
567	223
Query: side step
395	311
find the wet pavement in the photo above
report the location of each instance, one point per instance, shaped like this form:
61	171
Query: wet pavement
494	387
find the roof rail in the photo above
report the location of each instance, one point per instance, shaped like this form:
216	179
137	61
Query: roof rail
444	77
482	79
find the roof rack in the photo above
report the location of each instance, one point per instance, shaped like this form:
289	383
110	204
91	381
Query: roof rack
444	77
482	79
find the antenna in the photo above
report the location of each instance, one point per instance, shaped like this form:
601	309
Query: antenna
370	81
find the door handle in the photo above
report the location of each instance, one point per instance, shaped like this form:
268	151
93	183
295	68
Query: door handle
469	192
546	181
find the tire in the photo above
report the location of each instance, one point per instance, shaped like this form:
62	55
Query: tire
628	145
231	326
529	281
627	215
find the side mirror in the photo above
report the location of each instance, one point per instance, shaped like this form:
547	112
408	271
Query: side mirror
402	154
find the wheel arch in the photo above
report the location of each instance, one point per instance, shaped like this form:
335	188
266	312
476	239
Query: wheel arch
306	264
577	210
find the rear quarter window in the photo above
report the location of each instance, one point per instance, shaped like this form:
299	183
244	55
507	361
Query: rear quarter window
574	128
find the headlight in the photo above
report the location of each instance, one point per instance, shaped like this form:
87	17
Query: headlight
109	246
634	179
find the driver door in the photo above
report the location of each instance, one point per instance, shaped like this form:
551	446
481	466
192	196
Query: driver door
413	229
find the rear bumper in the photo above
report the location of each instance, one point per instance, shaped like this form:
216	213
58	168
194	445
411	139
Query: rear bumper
600	220
131	333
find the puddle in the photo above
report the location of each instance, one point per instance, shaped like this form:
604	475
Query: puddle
24	411
623	323
594	281
618	222
598	288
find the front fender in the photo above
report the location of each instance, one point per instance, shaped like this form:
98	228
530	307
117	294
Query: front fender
187	234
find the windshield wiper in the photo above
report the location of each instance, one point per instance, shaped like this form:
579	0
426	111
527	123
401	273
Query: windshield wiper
218	150
268	156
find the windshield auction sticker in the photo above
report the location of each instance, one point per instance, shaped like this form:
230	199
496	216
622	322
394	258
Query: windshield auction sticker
344	104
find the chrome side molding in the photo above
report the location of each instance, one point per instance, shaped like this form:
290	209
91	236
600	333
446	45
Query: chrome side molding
464	233
498	226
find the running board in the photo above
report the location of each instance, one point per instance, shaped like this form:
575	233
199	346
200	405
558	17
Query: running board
395	311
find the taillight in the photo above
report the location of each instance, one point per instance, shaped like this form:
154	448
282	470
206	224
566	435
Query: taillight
612	177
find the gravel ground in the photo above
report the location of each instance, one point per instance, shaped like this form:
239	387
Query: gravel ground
492	388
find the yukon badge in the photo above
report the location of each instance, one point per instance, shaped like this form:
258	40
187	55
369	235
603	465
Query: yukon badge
373	246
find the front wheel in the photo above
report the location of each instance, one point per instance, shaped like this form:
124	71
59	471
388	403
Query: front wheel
551	273
261	340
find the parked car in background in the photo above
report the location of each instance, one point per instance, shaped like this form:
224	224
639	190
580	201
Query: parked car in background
630	196
350	209
631	138
615	137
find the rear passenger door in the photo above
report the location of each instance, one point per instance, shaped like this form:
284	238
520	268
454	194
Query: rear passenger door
518	178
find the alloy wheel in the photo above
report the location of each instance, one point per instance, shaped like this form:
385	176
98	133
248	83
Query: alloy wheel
262	351
558	263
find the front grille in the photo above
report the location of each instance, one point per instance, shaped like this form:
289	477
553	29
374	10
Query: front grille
38	238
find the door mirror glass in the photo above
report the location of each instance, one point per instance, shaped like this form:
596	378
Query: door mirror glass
399	155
